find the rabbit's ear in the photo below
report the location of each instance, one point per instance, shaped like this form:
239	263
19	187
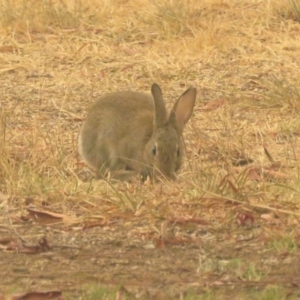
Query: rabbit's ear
159	104
183	108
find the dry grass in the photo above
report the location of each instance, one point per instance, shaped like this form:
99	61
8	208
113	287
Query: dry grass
57	57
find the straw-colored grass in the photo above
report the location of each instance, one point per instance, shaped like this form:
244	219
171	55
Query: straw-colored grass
237	195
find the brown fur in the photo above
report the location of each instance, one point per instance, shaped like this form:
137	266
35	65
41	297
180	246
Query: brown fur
122	130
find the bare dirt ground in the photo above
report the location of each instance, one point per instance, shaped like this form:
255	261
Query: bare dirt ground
228	227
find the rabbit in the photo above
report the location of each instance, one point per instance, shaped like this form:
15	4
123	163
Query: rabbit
131	132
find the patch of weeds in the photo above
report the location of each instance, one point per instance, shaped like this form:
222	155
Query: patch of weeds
206	296
26	179
289	10
64	16
41	15
175	16
99	292
253	273
234	264
284	244
280	93
269	293
248	272
207	265
294	6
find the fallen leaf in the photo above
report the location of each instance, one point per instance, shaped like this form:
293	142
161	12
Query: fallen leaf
283	254
6	240
42	246
276	175
257	173
243	218
46	217
128	67
8	49
214	104
159	244
96	224
38	296
12	246
270	218
254	174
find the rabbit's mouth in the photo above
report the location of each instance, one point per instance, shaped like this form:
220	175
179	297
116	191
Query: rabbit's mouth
162	172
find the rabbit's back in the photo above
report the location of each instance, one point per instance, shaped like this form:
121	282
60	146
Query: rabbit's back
116	130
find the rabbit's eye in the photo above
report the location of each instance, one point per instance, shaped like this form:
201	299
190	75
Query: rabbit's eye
154	151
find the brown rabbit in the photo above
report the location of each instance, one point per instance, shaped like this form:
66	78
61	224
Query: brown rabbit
131	132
